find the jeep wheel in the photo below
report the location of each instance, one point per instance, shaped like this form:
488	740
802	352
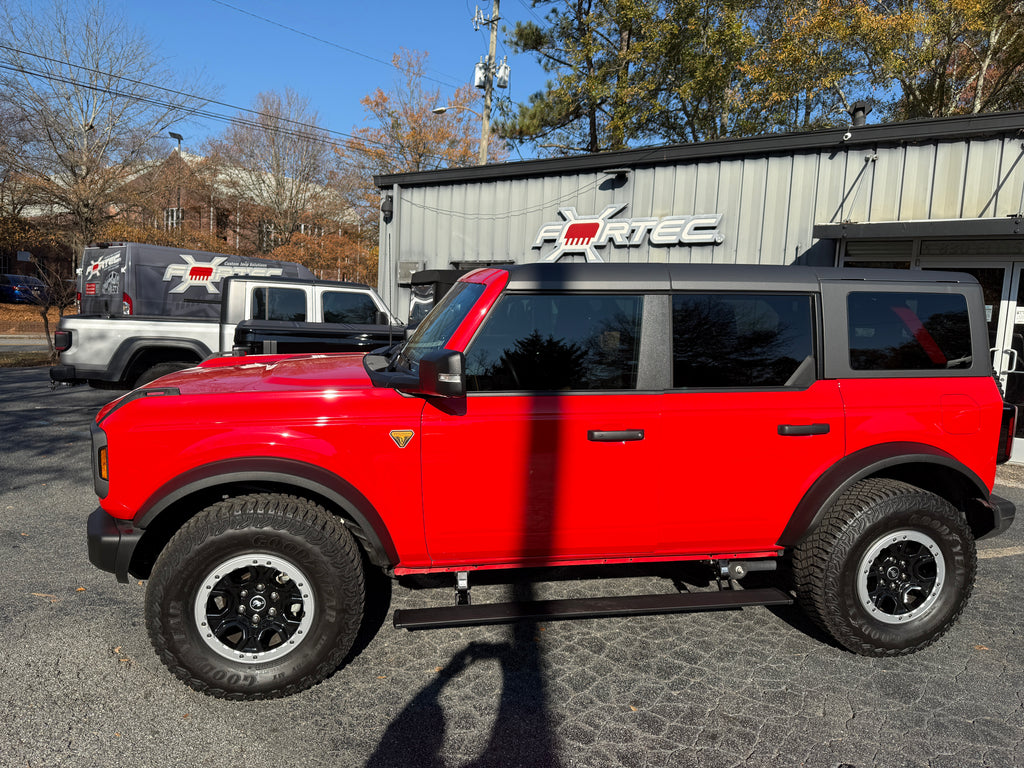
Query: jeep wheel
888	570
154	372
256	597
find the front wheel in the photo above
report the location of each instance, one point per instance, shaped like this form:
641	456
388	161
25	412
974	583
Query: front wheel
889	569
256	597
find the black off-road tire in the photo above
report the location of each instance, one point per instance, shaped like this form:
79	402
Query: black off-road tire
889	569
256	597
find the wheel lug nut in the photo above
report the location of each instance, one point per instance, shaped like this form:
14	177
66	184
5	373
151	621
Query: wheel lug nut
274	596
272	612
245	593
260	587
241	609
256	619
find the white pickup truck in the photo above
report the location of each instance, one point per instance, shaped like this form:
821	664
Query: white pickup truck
149	310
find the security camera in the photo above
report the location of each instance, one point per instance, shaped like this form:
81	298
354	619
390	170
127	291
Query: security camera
846	136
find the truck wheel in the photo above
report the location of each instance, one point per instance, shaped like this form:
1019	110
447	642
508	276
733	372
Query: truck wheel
154	372
889	569
256	597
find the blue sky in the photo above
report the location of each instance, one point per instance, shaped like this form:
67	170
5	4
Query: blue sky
244	55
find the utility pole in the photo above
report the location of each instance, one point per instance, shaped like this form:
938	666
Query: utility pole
489	70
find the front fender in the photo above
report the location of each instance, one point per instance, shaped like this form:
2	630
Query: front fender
286	474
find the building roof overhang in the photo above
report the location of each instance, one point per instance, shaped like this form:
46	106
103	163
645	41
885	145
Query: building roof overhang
866	136
944	229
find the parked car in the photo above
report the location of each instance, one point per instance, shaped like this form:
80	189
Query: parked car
841	427
22	289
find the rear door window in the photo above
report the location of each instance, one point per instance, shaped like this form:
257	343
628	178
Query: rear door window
273	303
742	340
348	307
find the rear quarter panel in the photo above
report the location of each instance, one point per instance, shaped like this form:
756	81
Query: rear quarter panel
959	415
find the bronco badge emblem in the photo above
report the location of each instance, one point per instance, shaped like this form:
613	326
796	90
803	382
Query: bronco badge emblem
402	436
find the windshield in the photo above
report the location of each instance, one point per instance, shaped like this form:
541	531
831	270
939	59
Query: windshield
443	320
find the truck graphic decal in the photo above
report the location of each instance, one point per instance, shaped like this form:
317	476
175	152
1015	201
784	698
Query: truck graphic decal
209	273
95	268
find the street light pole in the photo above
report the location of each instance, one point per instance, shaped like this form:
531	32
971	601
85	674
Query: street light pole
482	160
177	211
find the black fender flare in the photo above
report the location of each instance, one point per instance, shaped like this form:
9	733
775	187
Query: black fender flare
876	459
130	348
269	470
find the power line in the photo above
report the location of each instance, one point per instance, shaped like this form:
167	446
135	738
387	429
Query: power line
14	66
452	80
531	11
192	111
305	131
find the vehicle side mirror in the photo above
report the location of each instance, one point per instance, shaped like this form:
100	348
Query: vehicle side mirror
442	373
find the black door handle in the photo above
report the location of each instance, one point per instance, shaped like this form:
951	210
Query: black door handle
788	430
615	435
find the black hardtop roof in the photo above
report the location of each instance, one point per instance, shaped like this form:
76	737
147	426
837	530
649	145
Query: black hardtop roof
663	277
299	281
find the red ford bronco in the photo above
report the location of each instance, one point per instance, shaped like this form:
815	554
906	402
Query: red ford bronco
843	423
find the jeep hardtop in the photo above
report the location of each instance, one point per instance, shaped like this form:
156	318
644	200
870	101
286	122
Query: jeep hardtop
840	427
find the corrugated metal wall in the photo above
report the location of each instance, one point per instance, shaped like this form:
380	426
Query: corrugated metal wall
769	204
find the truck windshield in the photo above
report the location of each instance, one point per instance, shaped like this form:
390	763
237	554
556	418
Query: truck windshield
438	326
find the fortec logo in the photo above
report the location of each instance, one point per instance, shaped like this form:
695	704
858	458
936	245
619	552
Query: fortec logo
210	273
582	235
94	269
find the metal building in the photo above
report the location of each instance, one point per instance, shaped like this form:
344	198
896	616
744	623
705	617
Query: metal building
926	194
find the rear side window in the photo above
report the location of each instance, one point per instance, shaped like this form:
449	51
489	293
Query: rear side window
270	303
739	341
552	342
908	331
342	307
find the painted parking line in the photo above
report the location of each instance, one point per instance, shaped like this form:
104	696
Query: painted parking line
1000	552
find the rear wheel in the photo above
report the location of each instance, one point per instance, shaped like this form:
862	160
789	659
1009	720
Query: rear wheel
889	569
256	597
154	372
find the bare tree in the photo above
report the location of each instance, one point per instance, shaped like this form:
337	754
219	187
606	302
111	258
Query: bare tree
60	294
82	89
275	158
15	194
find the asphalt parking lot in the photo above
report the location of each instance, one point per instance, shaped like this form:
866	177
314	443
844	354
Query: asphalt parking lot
81	686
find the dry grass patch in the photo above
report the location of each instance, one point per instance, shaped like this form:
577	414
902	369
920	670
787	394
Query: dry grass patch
23	359
25	319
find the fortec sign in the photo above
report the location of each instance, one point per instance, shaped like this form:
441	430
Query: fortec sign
585	234
209	274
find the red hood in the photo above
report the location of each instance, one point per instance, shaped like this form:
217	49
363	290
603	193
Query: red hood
260	374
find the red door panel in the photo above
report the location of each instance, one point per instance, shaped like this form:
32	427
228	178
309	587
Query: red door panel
731	478
533	483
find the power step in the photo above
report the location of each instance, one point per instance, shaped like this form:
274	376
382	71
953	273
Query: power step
586	608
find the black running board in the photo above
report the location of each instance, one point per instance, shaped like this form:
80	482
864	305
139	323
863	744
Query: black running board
585	608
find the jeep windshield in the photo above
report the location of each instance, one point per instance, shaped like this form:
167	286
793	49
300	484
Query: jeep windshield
439	325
